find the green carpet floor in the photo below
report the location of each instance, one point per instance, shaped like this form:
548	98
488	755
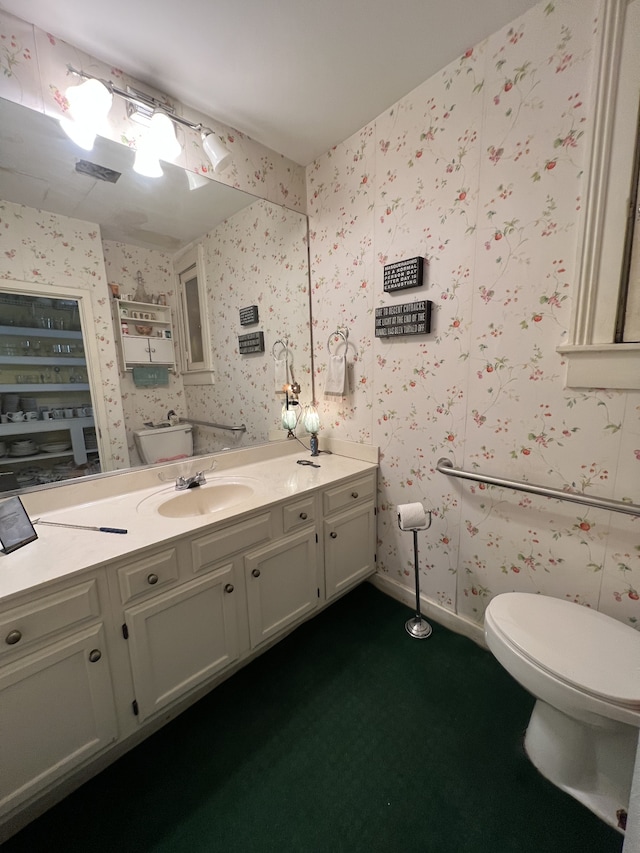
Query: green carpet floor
347	736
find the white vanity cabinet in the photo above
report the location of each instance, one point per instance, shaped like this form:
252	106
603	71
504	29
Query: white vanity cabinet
89	667
349	534
282	585
179	634
57	707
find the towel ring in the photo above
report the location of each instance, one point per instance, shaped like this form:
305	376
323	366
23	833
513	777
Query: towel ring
284	347
338	332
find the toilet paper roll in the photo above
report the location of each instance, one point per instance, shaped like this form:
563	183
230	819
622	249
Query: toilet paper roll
411	516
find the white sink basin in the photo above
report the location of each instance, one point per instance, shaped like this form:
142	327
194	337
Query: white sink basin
200	500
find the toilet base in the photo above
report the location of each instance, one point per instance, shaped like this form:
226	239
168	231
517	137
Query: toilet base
592	763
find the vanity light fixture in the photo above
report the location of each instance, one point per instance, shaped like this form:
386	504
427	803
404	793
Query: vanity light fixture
311	421
145	109
89	105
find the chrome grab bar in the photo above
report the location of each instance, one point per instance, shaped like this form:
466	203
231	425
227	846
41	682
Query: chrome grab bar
445	466
241	428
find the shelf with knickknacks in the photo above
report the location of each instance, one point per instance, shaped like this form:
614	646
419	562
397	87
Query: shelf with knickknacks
144	332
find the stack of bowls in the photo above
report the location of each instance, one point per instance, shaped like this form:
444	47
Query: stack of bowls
28	404
10	404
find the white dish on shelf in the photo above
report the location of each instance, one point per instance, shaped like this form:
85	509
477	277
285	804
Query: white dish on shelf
21	451
55	447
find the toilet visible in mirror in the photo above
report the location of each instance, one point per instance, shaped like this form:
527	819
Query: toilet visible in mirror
163	444
583	668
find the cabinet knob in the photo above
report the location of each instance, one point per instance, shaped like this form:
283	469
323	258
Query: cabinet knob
303	516
229	587
152	578
95	655
354	495
333	534
256	573
13	637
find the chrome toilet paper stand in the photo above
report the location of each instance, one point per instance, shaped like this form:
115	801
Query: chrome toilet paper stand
417	627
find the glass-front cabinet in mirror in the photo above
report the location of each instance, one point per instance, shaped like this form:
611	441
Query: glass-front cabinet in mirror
47	428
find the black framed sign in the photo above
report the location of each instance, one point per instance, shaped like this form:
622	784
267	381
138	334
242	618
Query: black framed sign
16	529
253	342
404	274
249	315
412	318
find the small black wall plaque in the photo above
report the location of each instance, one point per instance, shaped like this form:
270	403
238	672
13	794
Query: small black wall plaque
404	274
249	315
253	342
412	318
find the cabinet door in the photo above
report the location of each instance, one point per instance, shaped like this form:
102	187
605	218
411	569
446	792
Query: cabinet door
161	351
56	712
180	639
136	350
349	548
282	585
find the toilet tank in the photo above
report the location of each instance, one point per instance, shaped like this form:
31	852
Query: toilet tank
162	444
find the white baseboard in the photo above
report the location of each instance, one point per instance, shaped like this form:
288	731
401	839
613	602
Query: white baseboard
430	609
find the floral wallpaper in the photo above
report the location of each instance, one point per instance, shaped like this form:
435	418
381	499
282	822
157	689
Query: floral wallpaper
257	257
60	253
123	263
33	72
480	171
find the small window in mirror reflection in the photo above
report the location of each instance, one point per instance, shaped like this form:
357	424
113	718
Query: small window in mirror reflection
193	319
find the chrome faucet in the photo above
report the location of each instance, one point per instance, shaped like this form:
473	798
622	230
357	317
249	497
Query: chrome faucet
183	483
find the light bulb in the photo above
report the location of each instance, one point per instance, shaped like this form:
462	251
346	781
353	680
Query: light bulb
216	151
161	137
311	420
82	135
289	419
89	105
147	164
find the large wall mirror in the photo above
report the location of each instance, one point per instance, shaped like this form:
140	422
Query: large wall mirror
58	274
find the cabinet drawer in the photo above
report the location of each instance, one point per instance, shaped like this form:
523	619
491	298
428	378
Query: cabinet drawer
147	575
298	514
21	626
236	537
340	497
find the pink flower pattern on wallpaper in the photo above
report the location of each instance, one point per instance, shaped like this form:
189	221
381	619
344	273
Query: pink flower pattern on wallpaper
257	257
479	170
143	405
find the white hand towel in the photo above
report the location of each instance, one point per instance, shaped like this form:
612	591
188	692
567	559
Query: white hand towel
281	374
335	385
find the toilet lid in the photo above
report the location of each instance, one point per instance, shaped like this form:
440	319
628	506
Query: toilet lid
583	647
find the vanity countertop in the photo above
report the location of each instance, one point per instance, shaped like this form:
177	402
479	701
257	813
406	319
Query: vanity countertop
60	552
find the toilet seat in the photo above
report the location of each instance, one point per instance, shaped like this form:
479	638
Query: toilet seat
574	644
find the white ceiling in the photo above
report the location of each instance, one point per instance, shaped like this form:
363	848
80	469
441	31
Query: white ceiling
296	75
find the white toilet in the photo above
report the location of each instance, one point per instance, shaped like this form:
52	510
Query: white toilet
164	444
583	667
